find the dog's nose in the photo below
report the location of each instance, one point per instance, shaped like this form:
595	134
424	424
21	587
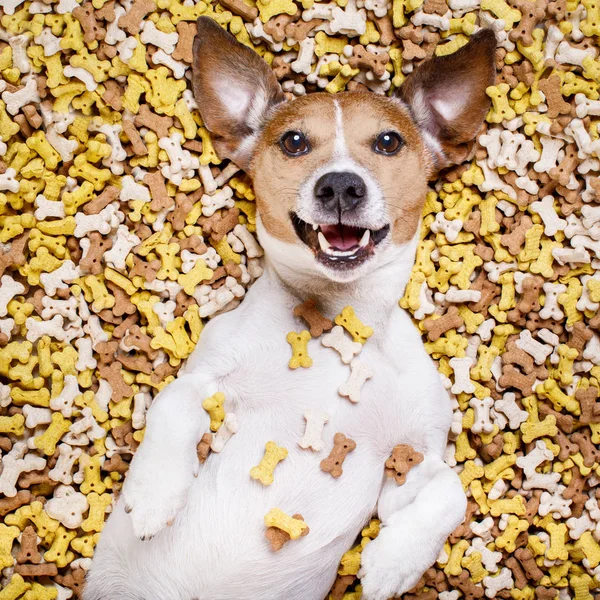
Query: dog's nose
343	191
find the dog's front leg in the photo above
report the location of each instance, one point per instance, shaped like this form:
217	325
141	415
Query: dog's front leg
416	518
166	462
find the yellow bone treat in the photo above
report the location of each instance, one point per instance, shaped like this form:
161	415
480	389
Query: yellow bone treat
263	472
277	518
299	344
353	325
214	407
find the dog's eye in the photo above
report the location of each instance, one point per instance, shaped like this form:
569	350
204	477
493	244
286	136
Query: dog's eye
293	143
388	143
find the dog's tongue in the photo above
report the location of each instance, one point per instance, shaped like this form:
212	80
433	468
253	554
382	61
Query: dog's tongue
340	236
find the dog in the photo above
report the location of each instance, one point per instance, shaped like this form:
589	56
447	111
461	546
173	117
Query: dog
340	183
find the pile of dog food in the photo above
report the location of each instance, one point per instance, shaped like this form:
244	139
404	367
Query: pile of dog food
121	232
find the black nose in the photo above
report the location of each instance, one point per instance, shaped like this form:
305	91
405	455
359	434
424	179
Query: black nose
340	191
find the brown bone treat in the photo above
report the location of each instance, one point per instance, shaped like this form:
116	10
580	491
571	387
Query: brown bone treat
422	595
28	553
43	570
147	118
109	194
32	115
9	504
363	59
163	371
435	328
158	191
530	298
436	579
401	461
121	330
463	531
517	571
112	373
278	538
92	31
193	145
35	478
574	492
511	377
534	323
527	560
507	76
544	593
438	7
123	305
594	322
135	362
317	323
145	270
281	67
591	454
533	13
299	31
341	584
138	339
17	255
115	464
113	94
132	20
108	316
516	356
26	129
579	337
183	50
137	144
557	105
3	340
516	238
532	506
5	444
567	446
342	446
275	26
385	27
74	580
463	582
203	447
563	421
194	244
562	173
107	12
590	409
183	302
121	433
106	351
412	51
183	207
523	198
219	224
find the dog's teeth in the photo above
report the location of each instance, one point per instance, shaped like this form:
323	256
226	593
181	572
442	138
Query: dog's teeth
315	227
325	245
364	240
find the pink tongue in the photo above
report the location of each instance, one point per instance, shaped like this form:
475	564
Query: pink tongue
340	237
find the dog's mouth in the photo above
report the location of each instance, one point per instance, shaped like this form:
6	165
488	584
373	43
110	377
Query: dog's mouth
339	245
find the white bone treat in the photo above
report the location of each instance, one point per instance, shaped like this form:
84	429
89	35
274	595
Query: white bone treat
315	422
359	374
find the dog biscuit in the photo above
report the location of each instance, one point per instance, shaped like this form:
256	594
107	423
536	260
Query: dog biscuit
263	472
353	325
401	461
278	537
292	526
299	344
317	323
214	407
342	446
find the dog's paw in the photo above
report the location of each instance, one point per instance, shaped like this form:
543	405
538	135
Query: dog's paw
155	490
390	566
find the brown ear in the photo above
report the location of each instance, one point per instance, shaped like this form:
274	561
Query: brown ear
235	90
447	98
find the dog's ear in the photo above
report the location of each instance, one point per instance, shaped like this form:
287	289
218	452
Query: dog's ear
235	90
447	98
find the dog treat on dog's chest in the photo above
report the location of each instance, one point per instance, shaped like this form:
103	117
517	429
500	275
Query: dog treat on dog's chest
214	407
278	537
292	526
263	472
342	446
299	344
353	325
402	460
316	322
337	340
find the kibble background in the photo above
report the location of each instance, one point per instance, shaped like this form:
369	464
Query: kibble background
108	178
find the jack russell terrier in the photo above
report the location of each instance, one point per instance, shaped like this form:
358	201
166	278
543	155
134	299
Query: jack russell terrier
340	183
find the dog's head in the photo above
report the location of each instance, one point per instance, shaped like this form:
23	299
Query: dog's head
340	180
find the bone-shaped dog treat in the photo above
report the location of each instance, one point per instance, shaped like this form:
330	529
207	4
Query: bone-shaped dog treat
359	374
437	327
263	472
203	447
342	446
317	323
315	421
214	407
278	537
353	325
462	375
230	427
299	344
294	527
338	341
402	460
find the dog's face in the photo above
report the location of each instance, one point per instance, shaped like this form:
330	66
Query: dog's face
340	180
